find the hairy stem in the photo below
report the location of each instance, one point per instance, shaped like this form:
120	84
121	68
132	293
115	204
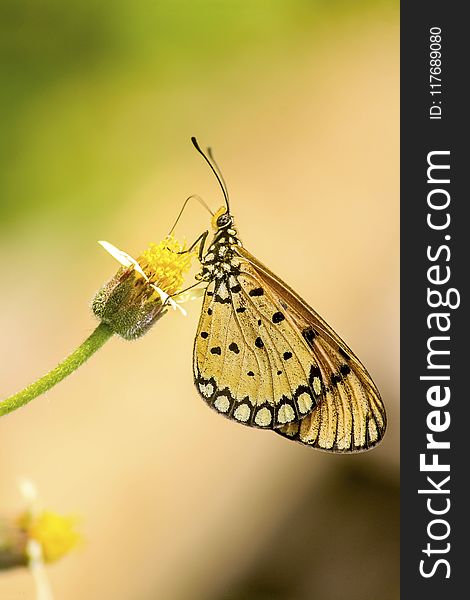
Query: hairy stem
93	343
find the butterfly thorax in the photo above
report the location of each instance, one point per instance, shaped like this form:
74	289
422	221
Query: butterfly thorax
220	262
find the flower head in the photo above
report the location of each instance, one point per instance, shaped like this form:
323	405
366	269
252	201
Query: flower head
138	295
34	537
55	533
164	266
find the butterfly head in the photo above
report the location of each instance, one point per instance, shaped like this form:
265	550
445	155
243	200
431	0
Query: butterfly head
222	219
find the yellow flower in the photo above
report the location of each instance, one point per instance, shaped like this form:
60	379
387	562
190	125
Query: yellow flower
55	533
163	265
138	295
34	537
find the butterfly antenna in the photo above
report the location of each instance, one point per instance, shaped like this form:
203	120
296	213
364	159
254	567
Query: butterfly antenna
215	169
196	197
211	156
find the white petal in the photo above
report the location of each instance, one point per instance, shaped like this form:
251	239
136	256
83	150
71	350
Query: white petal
180	308
38	570
122	257
166	299
28	490
163	295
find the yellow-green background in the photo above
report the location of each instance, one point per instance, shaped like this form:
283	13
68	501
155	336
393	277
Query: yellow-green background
299	100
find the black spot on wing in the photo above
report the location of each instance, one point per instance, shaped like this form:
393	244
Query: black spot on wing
234	348
309	335
241	309
278	317
209	311
259	343
204	335
344	370
250	374
287	355
315	372
256	292
216	350
236	288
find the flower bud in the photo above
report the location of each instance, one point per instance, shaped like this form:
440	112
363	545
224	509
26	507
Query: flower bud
139	294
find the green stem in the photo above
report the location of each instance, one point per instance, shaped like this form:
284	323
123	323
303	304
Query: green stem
93	343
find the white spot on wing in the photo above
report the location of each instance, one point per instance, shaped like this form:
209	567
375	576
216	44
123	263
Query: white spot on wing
304	402
207	389
222	404
242	413
317	385
285	414
263	417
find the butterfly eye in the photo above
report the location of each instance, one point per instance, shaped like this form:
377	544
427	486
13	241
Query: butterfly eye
224	220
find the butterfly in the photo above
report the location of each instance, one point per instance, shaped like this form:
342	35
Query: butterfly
264	358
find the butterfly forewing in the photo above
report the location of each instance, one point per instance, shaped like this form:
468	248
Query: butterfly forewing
250	363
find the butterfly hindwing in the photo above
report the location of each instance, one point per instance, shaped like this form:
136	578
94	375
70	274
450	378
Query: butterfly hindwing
350	416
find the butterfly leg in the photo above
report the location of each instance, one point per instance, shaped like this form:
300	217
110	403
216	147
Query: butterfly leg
185	290
200	240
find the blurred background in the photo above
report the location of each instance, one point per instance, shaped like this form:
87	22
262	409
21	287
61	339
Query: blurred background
299	100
